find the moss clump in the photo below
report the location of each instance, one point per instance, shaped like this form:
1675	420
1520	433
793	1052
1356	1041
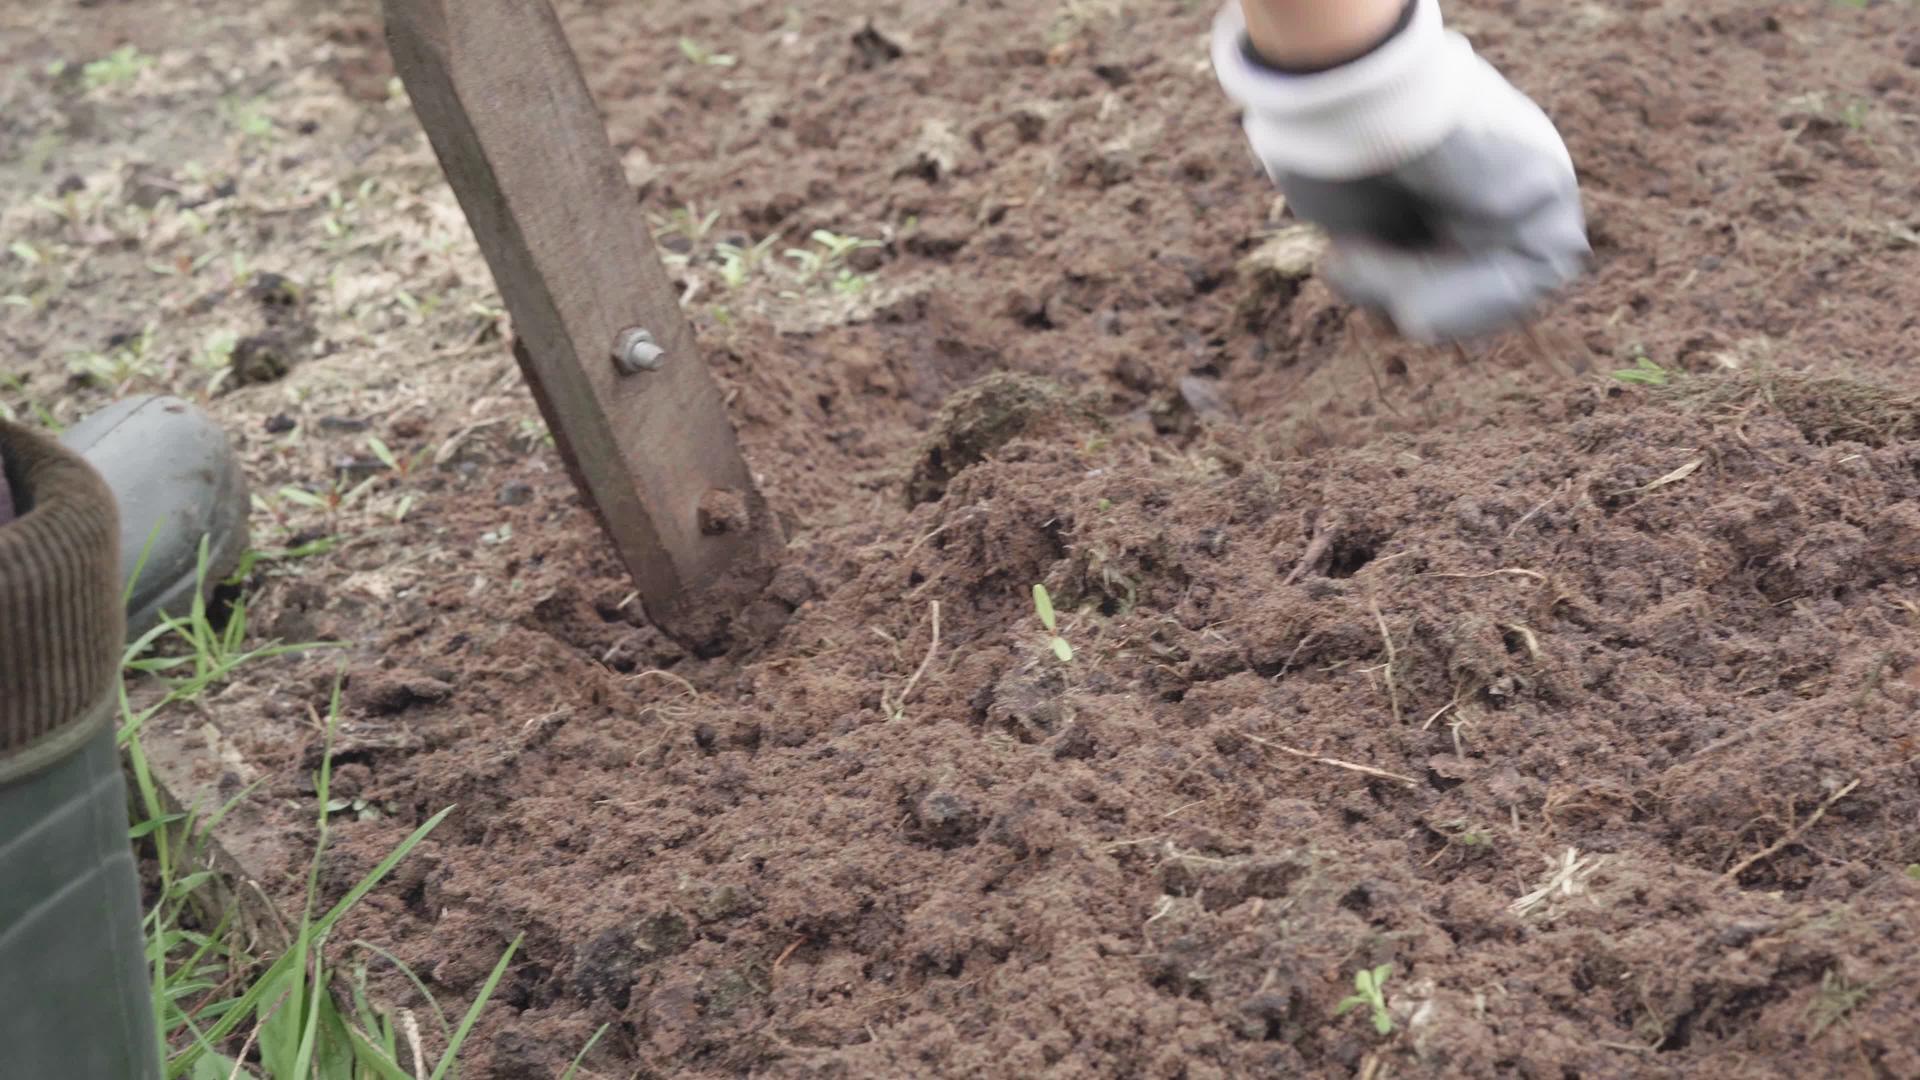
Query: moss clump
982	418
1826	410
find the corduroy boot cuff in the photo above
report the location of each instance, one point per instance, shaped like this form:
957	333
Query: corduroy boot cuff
61	619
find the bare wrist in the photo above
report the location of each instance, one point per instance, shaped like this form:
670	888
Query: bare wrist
1313	35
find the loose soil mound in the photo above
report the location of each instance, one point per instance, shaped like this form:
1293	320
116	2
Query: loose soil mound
1587	707
1596	723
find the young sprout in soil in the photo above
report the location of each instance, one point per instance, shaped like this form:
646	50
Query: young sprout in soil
118	66
531	433
1043	603
848	283
1369	990
832	256
1644	371
737	263
704	56
250	118
402	467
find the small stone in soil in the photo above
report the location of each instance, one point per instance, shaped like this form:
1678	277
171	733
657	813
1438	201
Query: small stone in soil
948	819
358	468
387	692
515	493
1203	397
271	290
261	358
721	512
280	424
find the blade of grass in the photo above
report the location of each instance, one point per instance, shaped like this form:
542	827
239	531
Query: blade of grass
373	1058
582	1055
446	1030
473	1014
248	1001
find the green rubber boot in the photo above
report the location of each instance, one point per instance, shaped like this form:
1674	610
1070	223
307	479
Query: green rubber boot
75	999
176	480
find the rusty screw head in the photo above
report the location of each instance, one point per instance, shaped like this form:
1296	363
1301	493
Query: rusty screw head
634	351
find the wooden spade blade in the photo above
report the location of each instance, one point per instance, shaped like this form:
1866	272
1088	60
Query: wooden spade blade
517	133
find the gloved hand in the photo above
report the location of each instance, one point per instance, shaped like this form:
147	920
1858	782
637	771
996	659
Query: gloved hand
1449	196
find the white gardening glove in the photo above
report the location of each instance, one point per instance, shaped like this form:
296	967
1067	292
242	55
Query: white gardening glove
1450	198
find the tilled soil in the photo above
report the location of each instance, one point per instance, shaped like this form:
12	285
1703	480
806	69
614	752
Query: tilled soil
1586	704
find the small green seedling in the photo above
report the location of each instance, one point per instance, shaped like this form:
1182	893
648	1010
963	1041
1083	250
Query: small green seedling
118	66
402	466
1369	990
1645	372
1043	603
704	56
737	263
834	249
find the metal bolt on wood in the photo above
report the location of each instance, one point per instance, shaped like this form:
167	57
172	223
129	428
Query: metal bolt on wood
635	351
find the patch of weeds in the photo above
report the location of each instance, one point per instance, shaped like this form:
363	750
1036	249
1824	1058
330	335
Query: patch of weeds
738	264
120	365
209	654
402	467
1836	997
838	247
1644	371
686	222
1043	605
255	558
1913	871
250	119
420	310
295	1026
13	384
705	57
342	211
829	257
119	66
1369	989
848	283
336	498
